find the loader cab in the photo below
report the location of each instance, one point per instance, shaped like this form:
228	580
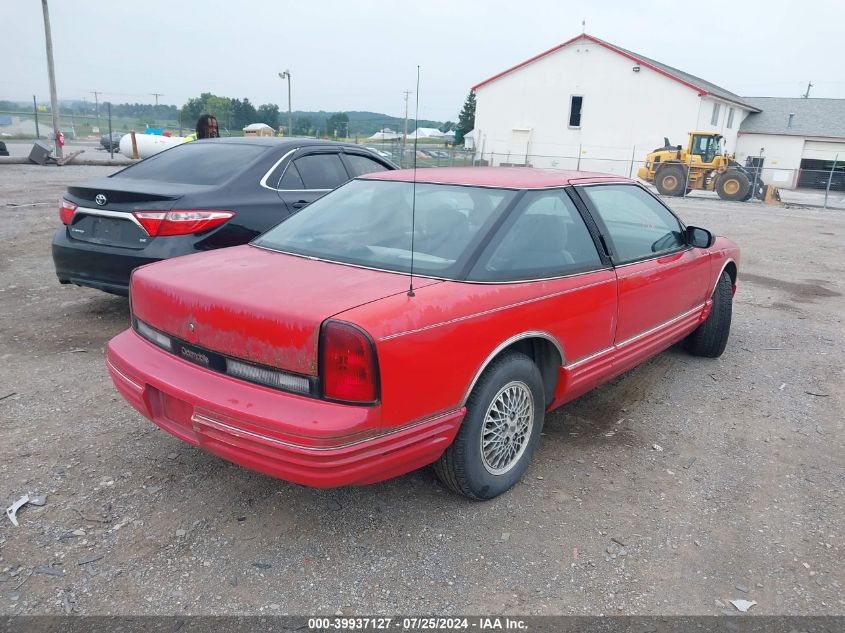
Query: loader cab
706	146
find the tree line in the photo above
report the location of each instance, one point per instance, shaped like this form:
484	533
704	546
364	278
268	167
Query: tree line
235	114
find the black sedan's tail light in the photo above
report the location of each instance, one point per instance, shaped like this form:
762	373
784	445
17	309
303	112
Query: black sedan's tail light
66	211
181	222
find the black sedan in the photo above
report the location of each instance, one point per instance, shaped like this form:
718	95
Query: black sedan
194	197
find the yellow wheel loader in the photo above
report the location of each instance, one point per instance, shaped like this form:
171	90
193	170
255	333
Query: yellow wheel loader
703	165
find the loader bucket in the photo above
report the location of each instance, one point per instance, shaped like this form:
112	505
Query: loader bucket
771	195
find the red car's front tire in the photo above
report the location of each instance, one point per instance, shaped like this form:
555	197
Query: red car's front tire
710	338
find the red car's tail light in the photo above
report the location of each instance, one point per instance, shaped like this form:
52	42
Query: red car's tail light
183	222
348	364
66	211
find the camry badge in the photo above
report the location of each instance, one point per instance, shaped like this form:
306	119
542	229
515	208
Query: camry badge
101	200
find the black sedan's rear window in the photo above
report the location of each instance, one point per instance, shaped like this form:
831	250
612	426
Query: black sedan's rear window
195	163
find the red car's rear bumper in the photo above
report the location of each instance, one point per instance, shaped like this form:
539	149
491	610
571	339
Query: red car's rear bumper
299	439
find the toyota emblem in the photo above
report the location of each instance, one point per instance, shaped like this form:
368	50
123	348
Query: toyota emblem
191	326
101	200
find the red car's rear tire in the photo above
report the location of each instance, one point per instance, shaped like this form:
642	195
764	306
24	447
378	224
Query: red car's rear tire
500	432
711	337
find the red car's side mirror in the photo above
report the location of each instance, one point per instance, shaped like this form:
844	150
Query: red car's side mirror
698	237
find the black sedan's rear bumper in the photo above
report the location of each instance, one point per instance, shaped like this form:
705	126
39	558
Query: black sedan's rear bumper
95	265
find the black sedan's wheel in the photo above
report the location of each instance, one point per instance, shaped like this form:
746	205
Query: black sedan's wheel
710	338
497	439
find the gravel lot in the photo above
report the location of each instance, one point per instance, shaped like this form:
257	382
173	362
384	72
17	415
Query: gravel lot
681	485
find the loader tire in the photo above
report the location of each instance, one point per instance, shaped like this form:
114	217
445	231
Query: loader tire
759	193
733	185
671	180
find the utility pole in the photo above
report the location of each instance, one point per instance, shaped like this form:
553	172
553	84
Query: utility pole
156	95
51	71
806	95
286	75
35	111
97	105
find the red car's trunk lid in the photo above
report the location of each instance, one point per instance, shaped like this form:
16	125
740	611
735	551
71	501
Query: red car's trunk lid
258	305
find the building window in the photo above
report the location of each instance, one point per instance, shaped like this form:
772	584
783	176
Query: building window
575	103
731	118
714	118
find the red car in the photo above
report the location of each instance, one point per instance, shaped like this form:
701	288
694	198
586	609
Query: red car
316	355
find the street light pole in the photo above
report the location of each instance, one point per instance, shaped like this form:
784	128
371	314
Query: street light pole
51	71
286	75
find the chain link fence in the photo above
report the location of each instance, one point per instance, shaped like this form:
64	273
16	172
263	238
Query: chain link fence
27	125
823	183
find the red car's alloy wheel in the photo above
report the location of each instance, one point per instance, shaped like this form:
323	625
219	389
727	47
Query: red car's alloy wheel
500	432
507	427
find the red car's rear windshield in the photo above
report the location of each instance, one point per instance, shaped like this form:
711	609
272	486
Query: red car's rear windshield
368	223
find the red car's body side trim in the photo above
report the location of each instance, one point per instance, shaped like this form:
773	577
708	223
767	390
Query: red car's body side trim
586	373
505	307
636	337
621	344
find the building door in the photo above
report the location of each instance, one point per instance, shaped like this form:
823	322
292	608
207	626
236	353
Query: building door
817	165
519	149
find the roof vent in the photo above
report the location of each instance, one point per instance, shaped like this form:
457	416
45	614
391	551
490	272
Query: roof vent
791	116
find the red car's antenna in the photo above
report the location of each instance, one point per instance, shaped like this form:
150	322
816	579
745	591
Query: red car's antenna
414	190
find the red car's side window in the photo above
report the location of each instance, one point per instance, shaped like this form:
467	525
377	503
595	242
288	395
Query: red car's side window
639	226
544	237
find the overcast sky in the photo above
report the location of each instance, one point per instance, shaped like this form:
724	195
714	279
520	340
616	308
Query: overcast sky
361	54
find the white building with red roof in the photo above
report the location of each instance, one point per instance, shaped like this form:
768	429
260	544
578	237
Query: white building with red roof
589	104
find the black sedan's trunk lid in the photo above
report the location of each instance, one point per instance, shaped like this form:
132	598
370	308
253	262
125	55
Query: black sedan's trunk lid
105	207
